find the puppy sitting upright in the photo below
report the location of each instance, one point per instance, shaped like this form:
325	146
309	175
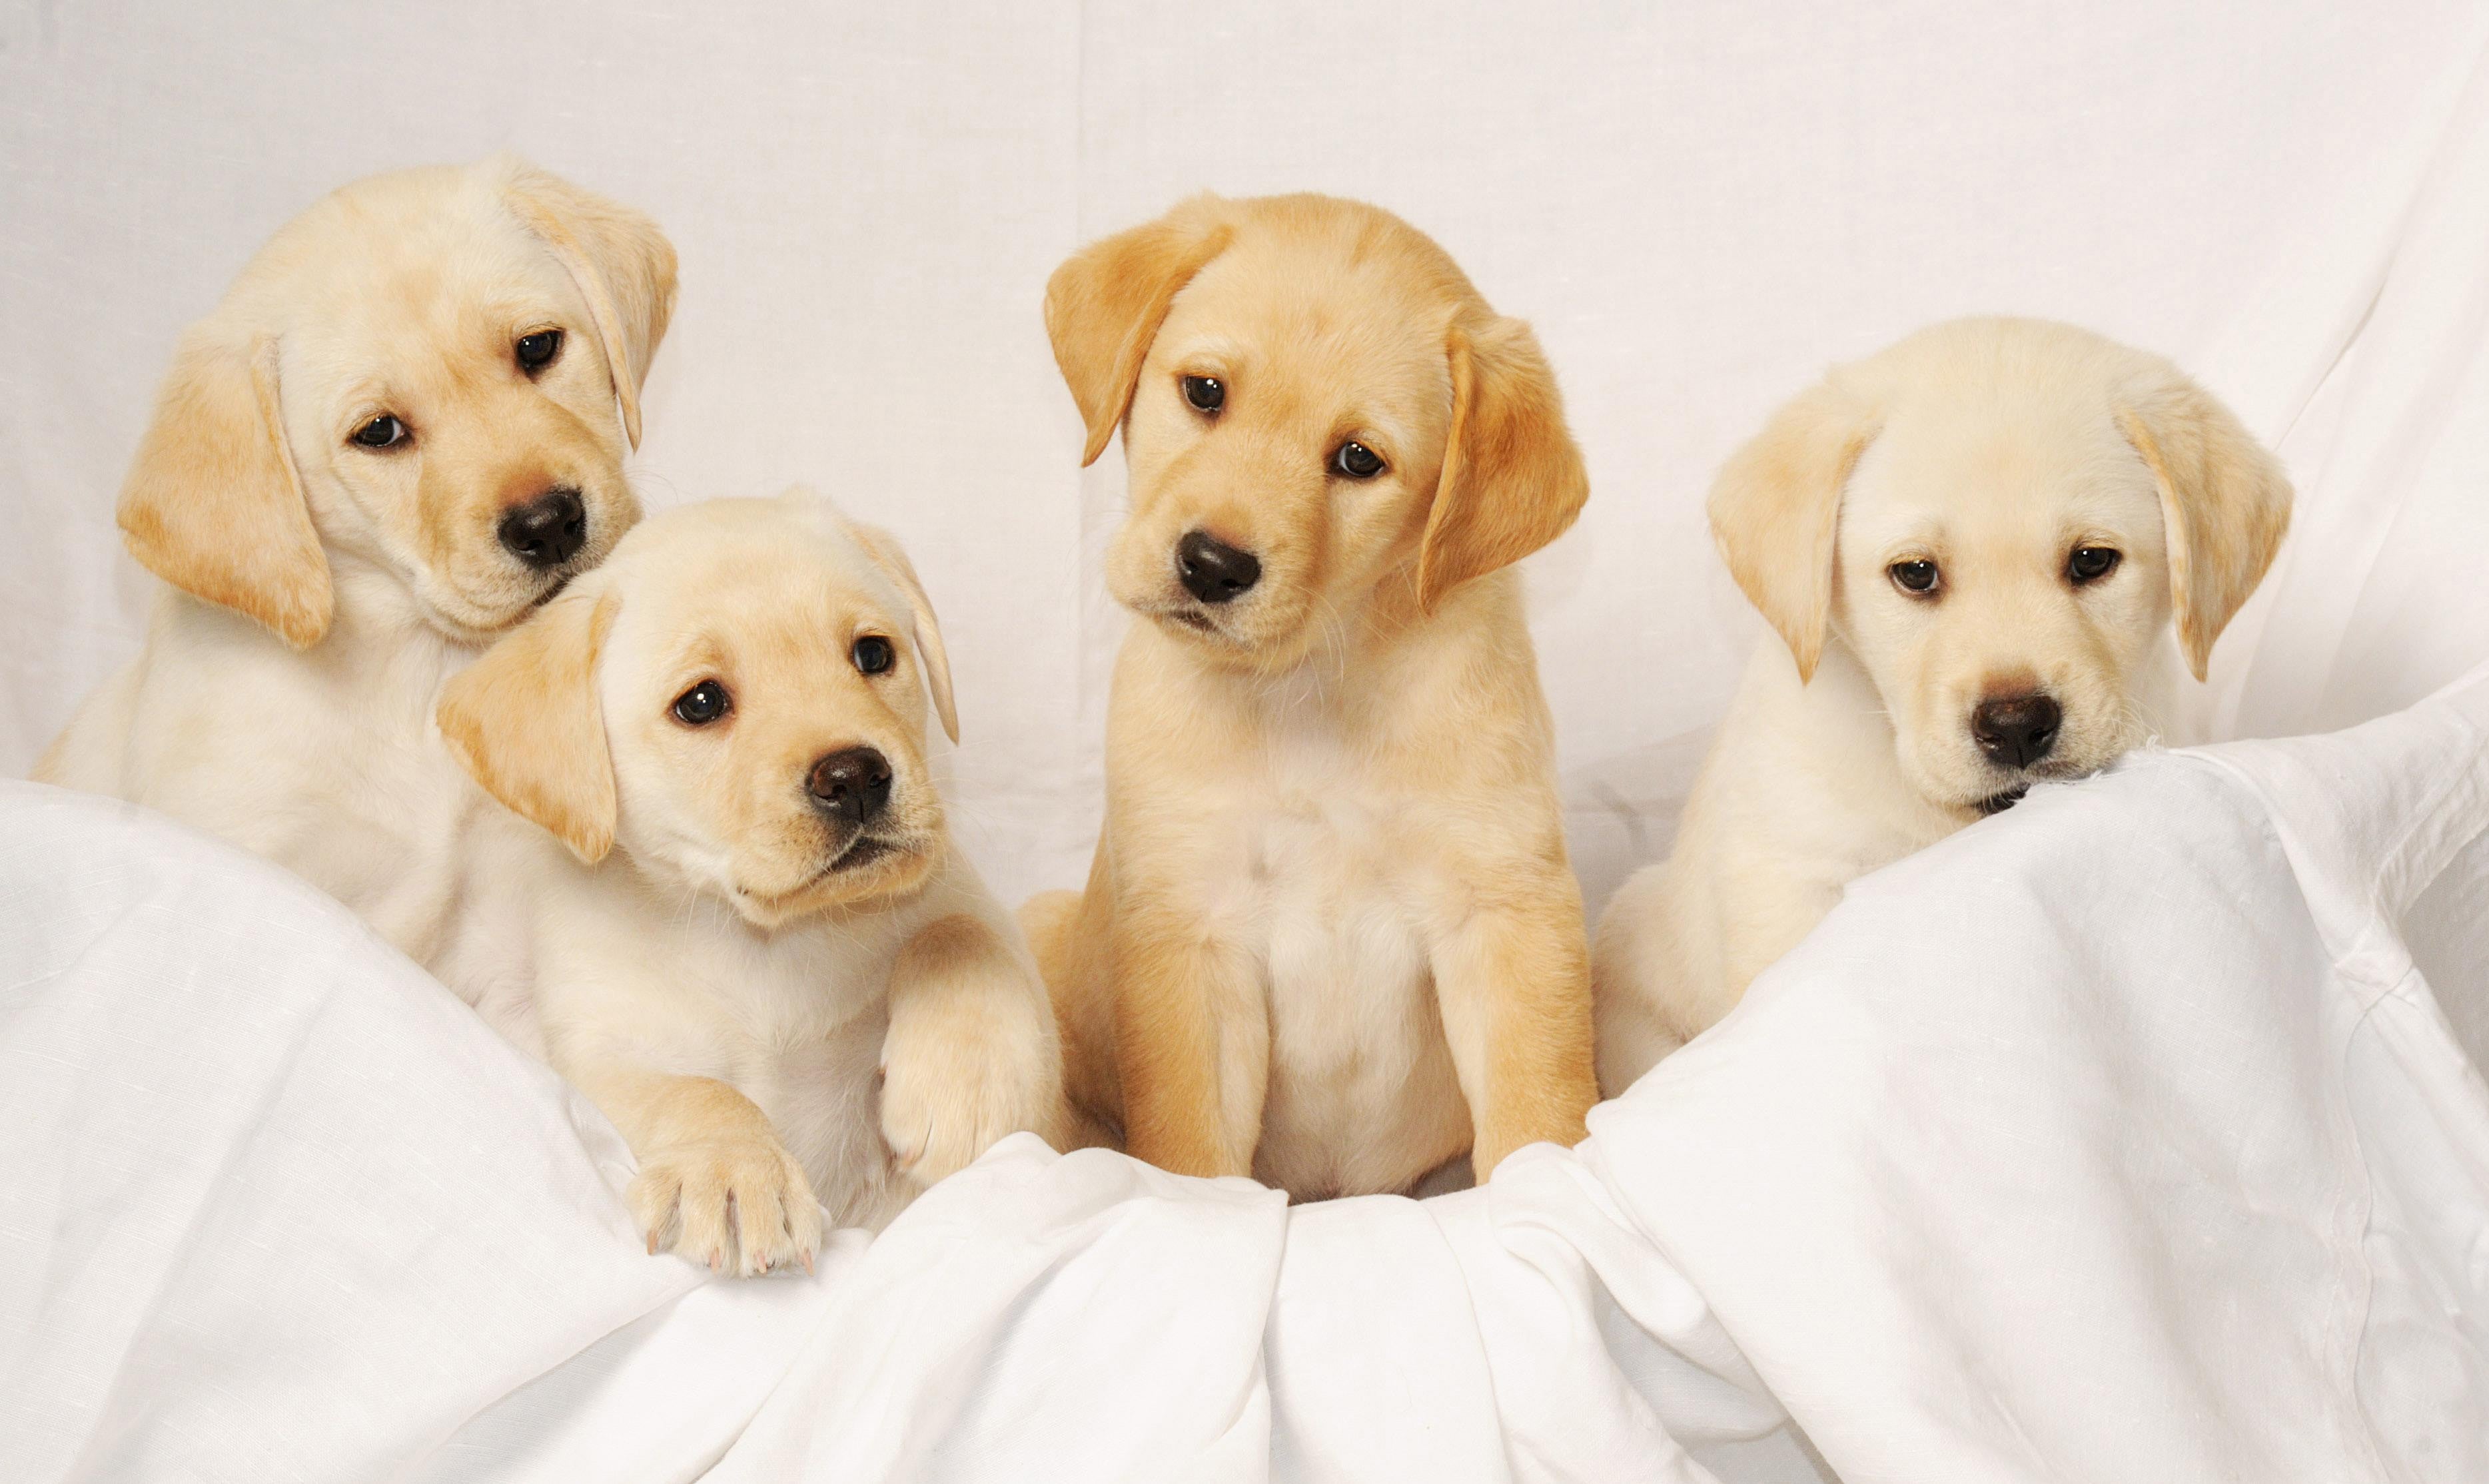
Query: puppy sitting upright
396	436
1970	546
1331	937
736	699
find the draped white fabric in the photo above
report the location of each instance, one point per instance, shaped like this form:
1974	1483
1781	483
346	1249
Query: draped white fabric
2122	1136
2125	1135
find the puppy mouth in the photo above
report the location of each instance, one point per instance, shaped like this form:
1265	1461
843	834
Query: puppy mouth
1999	803
856	854
2052	770
1189	618
490	623
860	852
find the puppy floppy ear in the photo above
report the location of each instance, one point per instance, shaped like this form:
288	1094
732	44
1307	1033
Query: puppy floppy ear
1512	478
622	264
1104	305
2224	498
885	552
214	503
524	721
1776	512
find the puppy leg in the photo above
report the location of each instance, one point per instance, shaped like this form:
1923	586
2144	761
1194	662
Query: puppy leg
87	755
711	1169
1063	931
1630	968
1192	1047
1047	919
971	1053
1513	982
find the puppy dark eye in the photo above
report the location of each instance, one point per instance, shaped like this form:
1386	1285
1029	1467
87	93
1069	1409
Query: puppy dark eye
1917	578
381	432
702	704
537	351
1206	393
873	655
2091	563
1356	461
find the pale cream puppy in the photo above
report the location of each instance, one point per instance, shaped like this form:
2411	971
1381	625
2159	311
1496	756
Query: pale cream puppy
1331	937
744	927
401	431
1972	546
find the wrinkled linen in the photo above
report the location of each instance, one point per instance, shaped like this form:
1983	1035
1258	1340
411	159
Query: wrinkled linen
2119	1136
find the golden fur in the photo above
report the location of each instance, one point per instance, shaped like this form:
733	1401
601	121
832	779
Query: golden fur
722	964
1331	937
1993	449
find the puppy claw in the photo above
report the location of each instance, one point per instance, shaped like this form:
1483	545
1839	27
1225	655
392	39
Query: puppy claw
739	1205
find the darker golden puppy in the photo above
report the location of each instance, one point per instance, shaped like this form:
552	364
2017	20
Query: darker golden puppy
1331	937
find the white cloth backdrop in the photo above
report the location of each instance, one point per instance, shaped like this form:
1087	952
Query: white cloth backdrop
1699	205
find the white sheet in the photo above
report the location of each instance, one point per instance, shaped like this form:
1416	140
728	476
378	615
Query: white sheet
2117	1137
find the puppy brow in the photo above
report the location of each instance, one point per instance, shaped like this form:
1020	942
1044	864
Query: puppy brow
1217	354
1927	541
703	653
1370	433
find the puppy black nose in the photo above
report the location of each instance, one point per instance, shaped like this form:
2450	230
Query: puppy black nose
1214	571
853	785
546	530
2016	731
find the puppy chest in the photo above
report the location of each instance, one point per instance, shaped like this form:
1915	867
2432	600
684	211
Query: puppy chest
1320	893
797	1025
1330	904
823	1096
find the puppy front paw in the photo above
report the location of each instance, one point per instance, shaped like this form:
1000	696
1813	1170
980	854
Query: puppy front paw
971	1053
737	1203
948	1094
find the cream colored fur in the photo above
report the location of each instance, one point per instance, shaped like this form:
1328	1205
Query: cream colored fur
1331	937
768	1010
1995	450
317	590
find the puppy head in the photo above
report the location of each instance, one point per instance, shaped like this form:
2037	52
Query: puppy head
1314	400
423	369
1998	517
737	698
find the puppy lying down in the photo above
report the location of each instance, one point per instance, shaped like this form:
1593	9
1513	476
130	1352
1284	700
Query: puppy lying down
741	928
1972	546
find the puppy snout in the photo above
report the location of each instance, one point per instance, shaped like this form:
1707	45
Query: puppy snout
2016	731
1214	571
851	785
546	530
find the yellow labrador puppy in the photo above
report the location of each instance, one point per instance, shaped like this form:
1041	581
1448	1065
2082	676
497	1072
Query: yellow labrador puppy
1331	937
394	438
753	944
1970	545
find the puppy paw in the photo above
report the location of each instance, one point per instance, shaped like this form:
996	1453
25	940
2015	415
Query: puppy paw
945	1099
971	1055
739	1205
